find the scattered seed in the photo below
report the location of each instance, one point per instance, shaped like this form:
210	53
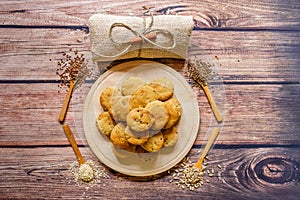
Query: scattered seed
186	176
72	67
199	70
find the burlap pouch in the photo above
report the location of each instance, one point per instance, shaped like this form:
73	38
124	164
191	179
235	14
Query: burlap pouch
123	37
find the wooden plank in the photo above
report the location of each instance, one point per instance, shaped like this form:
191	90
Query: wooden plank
254	173
239	56
253	114
250	56
255	46
27	52
208	14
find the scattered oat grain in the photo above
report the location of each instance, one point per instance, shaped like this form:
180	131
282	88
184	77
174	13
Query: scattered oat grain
186	176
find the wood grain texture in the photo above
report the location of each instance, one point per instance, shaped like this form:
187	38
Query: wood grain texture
255	46
43	173
257	114
32	54
208	14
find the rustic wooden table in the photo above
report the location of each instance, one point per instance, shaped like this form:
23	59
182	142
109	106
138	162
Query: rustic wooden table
256	47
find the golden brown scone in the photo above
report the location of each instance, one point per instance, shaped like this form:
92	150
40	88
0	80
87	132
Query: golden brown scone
140	119
141	97
153	132
161	91
175	111
118	136
170	136
105	123
131	84
165	82
119	108
154	143
105	97
136	138
160	114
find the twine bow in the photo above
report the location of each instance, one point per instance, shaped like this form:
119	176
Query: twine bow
146	36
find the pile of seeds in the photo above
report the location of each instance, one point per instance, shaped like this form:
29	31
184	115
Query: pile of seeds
98	173
86	172
199	70
186	176
72	67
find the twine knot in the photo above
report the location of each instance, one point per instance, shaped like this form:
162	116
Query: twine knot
149	35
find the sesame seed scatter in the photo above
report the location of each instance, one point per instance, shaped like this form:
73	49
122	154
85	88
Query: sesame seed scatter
88	174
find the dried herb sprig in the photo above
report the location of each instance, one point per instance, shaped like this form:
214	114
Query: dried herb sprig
200	72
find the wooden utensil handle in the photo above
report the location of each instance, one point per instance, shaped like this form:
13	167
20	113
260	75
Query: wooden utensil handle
212	104
65	105
73	143
207	147
136	40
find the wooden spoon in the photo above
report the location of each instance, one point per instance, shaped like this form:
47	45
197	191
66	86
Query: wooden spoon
200	74
212	103
65	105
86	172
73	143
207	147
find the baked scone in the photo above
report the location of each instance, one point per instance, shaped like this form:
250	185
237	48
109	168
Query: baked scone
161	91
136	138
106	95
154	143
118	136
131	84
119	108
165	82
153	132
170	136
141	97
105	123
159	113
175	111
140	119
163	87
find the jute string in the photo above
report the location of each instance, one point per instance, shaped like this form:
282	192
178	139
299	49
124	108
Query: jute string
142	35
